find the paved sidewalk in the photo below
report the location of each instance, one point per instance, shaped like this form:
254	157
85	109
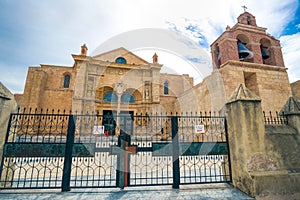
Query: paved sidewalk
203	192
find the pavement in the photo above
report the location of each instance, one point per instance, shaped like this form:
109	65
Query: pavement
203	192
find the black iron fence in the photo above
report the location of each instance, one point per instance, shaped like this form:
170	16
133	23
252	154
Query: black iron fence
277	118
64	150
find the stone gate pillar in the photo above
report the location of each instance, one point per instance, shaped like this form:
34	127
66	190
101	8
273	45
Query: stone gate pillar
245	136
264	158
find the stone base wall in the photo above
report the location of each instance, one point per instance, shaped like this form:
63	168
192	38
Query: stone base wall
276	183
282	142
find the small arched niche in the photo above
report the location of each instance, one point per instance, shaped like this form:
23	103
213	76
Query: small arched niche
121	60
265	48
217	56
66	80
244	48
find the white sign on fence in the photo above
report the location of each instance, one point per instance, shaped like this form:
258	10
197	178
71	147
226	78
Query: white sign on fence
199	128
98	130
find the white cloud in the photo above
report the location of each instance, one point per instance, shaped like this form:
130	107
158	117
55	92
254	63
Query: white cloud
274	15
50	30
291	52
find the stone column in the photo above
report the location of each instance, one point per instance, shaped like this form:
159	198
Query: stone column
120	88
245	136
264	159
79	87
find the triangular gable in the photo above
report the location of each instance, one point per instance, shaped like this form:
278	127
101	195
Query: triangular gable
243	93
4	92
291	106
112	55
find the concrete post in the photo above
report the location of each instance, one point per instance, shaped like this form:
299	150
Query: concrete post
264	161
245	136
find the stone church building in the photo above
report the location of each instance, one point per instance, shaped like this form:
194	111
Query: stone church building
120	80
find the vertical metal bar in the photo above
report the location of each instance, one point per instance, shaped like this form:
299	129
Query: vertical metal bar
175	146
68	155
229	160
3	153
8	127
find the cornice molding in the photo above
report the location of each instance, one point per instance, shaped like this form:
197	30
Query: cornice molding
252	65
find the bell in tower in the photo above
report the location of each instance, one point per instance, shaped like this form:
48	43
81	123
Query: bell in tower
264	52
243	51
246	42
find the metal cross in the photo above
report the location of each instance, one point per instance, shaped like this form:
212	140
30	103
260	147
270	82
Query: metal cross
245	8
123	151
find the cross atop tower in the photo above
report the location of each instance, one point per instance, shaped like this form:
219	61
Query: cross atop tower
245	8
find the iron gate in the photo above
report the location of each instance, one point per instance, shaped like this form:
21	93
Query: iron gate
64	151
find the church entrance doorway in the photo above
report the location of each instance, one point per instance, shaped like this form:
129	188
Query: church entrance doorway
110	119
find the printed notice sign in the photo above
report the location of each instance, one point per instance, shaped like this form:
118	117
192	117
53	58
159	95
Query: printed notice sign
98	130
199	128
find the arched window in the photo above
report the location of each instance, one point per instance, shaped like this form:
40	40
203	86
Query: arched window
166	87
110	97
244	48
265	48
217	56
67	79
121	60
127	98
248	20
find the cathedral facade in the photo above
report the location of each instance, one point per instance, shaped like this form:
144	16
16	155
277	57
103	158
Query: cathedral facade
114	80
120	81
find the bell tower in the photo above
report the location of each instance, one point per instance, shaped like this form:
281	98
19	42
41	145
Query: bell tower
246	42
246	54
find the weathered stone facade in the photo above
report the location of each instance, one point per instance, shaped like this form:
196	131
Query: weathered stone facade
44	88
93	81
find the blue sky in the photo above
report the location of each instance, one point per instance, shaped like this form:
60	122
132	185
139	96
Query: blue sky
34	32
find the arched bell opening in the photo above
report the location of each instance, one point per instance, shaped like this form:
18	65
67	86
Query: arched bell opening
265	48
217	56
244	49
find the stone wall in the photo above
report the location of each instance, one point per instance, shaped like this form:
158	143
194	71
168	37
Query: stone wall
270	83
209	95
264	159
44	88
